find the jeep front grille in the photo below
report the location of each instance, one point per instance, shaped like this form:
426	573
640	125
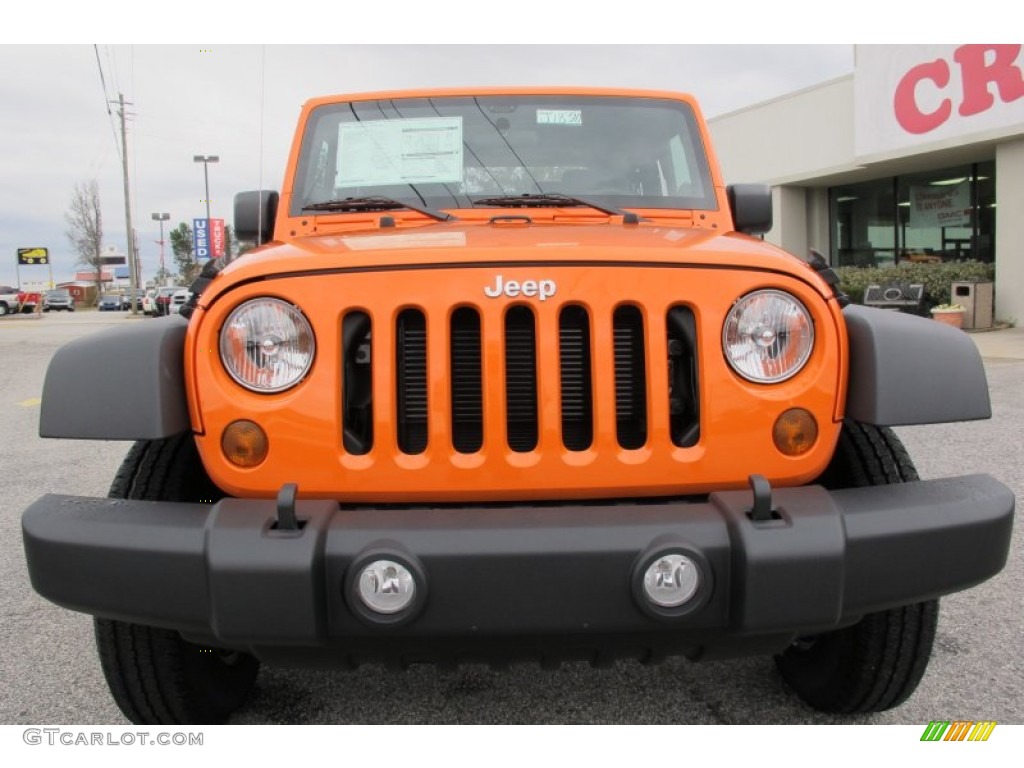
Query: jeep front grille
527	351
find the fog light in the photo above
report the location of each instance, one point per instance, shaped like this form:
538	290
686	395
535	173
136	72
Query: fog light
386	587
244	443
795	432
671	580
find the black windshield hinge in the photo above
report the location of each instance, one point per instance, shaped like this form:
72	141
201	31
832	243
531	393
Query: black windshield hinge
821	266
209	271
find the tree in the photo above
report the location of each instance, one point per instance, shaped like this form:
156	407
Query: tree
85	228
230	243
181	247
163	276
243	247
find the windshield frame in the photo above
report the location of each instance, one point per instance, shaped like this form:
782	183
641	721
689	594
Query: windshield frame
316	138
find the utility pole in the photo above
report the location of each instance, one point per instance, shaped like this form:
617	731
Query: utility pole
133	277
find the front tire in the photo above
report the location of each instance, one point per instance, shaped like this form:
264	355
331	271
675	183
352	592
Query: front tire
877	663
155	676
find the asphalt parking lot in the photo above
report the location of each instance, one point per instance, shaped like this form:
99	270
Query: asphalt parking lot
51	674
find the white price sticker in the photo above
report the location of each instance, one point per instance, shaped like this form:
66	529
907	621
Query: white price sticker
559	117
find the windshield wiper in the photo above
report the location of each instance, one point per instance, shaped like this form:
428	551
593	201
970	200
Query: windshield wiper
550	199
375	203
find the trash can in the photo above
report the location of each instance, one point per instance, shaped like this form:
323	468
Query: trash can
976	297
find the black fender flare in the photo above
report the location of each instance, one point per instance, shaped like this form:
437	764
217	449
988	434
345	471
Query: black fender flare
906	370
124	383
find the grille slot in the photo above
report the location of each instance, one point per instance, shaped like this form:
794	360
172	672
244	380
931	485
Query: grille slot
466	381
630	377
357	383
574	359
521	379
411	375
683	404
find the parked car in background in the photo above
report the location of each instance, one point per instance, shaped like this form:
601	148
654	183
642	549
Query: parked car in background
163	298
8	300
179	299
109	303
59	298
126	299
149	302
29	300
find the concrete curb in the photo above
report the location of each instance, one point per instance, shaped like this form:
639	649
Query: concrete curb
1000	344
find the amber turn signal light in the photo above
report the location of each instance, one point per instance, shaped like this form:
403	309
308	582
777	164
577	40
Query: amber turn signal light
244	443
795	432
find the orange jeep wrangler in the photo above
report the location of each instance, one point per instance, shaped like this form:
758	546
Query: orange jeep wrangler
511	376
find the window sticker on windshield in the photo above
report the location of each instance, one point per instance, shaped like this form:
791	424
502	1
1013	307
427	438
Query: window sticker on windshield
559	117
415	151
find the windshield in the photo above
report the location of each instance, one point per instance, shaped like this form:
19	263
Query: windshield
448	152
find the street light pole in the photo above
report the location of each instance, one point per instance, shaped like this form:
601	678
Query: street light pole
206	160
162	217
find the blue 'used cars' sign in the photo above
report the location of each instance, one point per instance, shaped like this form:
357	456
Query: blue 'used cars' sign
201	238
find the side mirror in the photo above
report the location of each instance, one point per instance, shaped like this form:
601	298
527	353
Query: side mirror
751	206
254	215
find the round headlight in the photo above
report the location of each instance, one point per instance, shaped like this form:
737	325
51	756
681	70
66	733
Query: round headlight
768	336
267	345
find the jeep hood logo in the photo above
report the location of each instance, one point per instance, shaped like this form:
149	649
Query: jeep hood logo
542	289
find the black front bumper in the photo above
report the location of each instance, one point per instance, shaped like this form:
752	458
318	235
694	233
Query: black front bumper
224	573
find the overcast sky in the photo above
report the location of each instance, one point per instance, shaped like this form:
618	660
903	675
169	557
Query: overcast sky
241	102
240	99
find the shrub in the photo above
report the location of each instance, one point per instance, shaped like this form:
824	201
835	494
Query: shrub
936	278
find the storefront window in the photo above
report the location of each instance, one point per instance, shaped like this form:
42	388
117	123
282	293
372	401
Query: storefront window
864	224
932	217
985	211
935	216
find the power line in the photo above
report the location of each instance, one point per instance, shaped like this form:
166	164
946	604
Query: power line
106	101
103	80
112	69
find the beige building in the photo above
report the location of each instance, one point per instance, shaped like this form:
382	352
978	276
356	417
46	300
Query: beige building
918	155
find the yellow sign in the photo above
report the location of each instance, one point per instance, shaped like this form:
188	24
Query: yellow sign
33	256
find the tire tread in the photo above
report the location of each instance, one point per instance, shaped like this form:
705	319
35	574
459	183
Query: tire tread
877	663
155	676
